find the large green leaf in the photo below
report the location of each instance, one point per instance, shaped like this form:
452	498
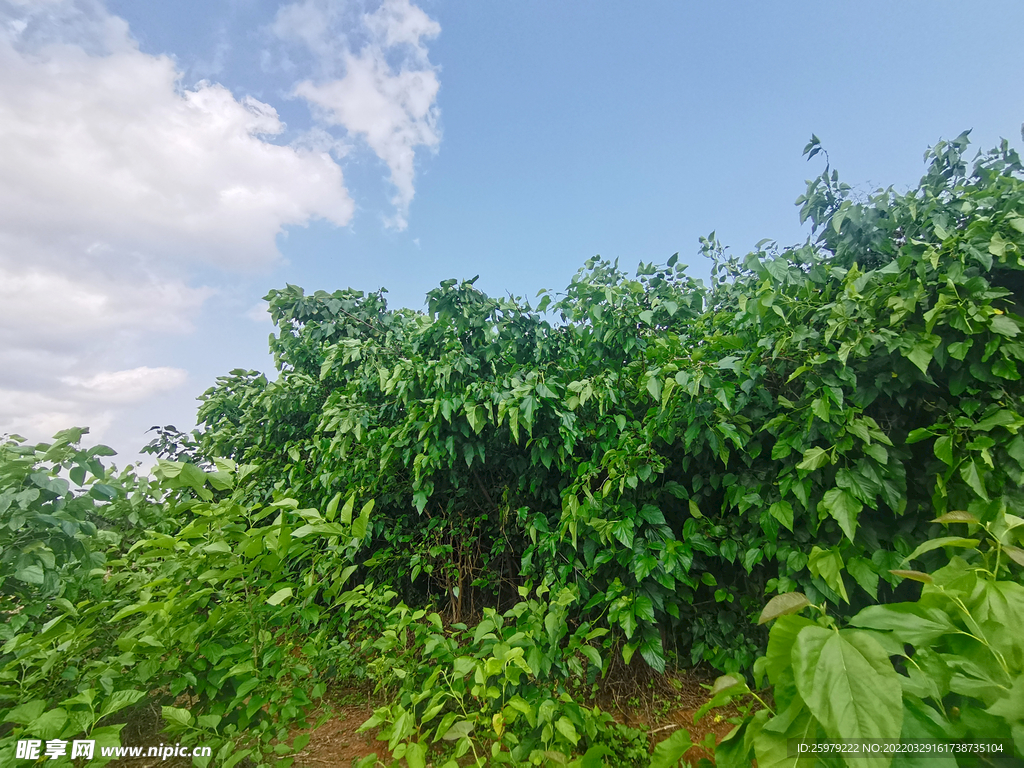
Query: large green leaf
25	713
923	723
458	730
849	684
773	749
780	644
864	572
48	725
972	476
910	622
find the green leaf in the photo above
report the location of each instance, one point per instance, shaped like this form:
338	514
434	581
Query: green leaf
943	449
971	476
346	511
782	605
828	565
119	700
670	751
280	596
863	572
192	475
844	508
924	578
627	620
654	387
362	523
725	689
23	714
849	684
652	651
237	757
1010	706
1001	418
565	727
177	715
643	606
594	757
910	622
957	516
332	506
921	355
783	512
459	730
958	350
781	639
48	725
475	417
212	721
814	458
30	574
1004	326
1014	553
416	754
593	655
917	435
944	541
820	409
797	372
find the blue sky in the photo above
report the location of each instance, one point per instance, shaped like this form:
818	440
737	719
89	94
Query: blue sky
165	164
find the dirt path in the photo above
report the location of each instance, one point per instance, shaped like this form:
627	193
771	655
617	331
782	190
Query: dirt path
336	742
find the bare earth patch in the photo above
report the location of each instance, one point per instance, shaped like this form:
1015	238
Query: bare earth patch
336	743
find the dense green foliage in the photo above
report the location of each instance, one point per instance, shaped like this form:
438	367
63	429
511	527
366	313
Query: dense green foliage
485	509
104	609
671	450
227	623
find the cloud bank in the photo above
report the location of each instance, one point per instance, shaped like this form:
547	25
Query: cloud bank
117	183
108	148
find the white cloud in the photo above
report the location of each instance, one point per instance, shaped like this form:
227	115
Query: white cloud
118	183
115	183
384	92
128	386
259	313
55	297
39	416
94	401
110	148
